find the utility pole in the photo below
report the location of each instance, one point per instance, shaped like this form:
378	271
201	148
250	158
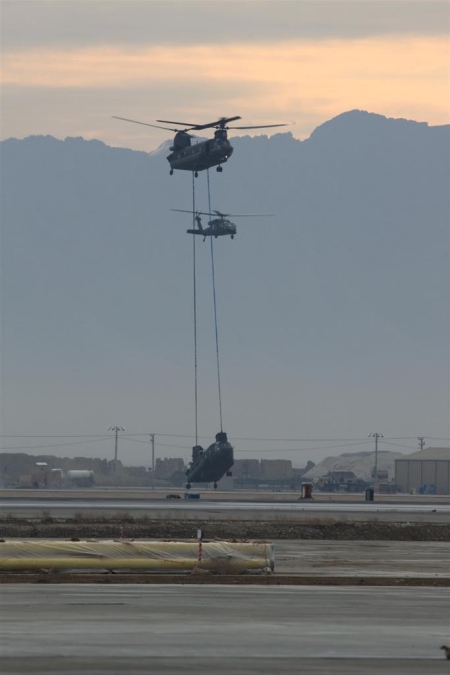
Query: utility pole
376	436
421	440
116	443
152	439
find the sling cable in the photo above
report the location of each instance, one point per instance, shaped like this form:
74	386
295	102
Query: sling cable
210	465
215	308
195	315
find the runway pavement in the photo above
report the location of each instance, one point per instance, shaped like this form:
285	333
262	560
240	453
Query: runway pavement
403	559
187	510
248	630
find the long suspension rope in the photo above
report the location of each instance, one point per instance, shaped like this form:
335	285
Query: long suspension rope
195	312
215	308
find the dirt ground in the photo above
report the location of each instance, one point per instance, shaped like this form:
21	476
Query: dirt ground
242	580
112	527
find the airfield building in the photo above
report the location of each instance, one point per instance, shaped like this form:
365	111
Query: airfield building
427	467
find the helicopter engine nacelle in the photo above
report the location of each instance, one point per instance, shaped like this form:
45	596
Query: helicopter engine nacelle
182	140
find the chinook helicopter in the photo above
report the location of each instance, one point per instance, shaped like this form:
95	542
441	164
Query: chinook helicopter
203	155
208	466
220	226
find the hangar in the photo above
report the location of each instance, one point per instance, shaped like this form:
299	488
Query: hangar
428	466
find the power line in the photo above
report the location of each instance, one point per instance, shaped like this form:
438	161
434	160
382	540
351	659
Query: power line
263	450
236	438
301	440
183	447
56	436
362	439
324	440
399	445
57	445
164	445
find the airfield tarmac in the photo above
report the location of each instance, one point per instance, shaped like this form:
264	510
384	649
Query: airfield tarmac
246	630
217	510
236	495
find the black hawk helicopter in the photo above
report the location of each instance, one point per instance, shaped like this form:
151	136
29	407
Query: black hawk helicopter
208	466
200	156
220	226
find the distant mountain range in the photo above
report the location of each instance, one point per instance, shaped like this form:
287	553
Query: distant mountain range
334	314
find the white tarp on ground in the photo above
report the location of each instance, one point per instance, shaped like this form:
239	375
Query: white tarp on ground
224	556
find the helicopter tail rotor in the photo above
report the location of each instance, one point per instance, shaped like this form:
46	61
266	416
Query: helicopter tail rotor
198	220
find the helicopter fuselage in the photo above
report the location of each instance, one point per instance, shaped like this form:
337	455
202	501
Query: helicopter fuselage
218	227
200	156
211	464
215	151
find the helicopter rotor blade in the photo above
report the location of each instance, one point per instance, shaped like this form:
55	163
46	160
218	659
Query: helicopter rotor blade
261	126
243	215
220	123
146	124
191	125
197	213
226	215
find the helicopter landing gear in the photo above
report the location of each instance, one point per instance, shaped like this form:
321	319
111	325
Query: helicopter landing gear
196	174
171	172
219	169
188	486
215	486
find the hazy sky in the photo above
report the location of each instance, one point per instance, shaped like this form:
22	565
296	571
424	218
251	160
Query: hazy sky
69	65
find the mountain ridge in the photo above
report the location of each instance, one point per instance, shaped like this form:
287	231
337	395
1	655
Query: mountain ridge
336	122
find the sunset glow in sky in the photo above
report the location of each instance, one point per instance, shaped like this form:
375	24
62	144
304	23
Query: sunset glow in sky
67	79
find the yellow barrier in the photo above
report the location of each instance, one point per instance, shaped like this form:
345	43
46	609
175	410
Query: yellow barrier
135	555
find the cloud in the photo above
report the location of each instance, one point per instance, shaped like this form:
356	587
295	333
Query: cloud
263	83
269	64
28	24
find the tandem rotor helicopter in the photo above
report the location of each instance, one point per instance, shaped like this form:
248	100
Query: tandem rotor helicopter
220	226
203	155
210	464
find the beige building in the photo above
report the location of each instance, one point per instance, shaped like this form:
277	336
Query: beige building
276	469
428	466
167	466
